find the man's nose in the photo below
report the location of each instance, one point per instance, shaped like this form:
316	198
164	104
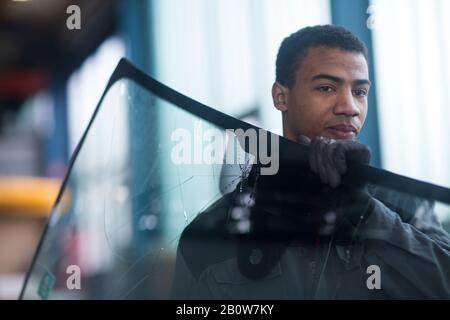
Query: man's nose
346	104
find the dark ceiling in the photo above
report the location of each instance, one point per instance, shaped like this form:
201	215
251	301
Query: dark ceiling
36	47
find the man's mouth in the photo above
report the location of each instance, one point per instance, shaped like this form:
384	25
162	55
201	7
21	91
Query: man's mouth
342	131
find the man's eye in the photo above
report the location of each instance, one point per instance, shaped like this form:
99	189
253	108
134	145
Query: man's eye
360	92
325	89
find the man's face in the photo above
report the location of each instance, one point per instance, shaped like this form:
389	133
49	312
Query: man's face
329	96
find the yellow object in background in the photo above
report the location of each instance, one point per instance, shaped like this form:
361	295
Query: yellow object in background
28	196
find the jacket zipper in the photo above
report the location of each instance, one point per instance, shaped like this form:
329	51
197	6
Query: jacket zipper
313	265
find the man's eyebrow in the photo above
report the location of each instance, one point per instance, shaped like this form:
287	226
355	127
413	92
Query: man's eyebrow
323	76
361	82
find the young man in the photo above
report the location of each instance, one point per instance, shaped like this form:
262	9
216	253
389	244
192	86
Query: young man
321	89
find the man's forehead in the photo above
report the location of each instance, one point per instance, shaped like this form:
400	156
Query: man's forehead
349	65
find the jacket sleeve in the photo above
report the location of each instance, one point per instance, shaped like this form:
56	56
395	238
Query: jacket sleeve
414	257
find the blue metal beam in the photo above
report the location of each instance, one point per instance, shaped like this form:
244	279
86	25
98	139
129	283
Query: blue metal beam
56	144
352	14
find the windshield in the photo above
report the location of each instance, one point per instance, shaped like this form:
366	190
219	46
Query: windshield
167	198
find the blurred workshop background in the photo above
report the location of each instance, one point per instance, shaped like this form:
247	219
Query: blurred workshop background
219	52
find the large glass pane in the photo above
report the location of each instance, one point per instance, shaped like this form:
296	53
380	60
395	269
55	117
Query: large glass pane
199	205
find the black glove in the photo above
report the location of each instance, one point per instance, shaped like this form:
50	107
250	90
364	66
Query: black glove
296	204
329	159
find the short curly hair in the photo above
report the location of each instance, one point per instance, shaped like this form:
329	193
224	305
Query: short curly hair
295	47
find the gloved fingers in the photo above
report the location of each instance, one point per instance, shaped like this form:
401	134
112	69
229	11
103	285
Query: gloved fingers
321	160
339	157
330	174
304	140
333	174
329	158
360	154
352	150
356	151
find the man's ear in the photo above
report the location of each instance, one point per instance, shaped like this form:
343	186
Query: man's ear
280	96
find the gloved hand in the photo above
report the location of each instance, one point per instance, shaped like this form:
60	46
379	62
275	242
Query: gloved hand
329	158
295	204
